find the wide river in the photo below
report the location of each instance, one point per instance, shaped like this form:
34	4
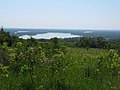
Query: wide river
50	35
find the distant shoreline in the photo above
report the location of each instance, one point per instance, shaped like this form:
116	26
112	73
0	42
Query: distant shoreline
64	29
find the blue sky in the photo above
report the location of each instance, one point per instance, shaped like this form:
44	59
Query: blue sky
90	14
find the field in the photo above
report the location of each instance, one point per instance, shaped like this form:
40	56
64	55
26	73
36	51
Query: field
91	52
78	69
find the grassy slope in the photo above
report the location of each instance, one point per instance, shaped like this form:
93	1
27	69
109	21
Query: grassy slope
79	73
83	72
90	52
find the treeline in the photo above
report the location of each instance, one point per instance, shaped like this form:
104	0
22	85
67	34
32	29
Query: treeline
5	37
91	42
82	42
97	42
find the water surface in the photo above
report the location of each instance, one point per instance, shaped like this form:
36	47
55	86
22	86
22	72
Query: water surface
50	35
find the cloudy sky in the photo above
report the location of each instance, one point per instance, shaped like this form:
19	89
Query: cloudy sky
91	14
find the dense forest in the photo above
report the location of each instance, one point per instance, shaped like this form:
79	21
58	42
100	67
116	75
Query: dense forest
87	63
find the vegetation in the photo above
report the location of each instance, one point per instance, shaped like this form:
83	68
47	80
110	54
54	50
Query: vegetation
51	65
98	42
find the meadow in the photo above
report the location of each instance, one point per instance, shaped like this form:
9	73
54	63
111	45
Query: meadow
32	65
78	69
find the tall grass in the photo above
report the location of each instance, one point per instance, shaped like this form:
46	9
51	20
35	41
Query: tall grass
78	69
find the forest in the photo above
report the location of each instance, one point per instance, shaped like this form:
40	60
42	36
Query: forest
86	63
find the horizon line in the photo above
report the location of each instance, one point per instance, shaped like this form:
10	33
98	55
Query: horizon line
61	28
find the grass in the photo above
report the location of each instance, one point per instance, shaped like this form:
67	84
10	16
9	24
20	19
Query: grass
87	52
82	69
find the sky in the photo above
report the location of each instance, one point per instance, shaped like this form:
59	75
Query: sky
90	14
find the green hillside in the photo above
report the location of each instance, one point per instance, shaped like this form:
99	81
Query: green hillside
51	65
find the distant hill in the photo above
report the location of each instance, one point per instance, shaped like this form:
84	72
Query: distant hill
108	34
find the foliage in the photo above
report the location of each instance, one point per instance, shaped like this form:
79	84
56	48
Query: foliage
32	65
98	42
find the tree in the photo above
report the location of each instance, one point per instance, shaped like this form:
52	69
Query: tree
1	28
88	42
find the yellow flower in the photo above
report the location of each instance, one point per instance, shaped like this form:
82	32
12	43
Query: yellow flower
6	75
